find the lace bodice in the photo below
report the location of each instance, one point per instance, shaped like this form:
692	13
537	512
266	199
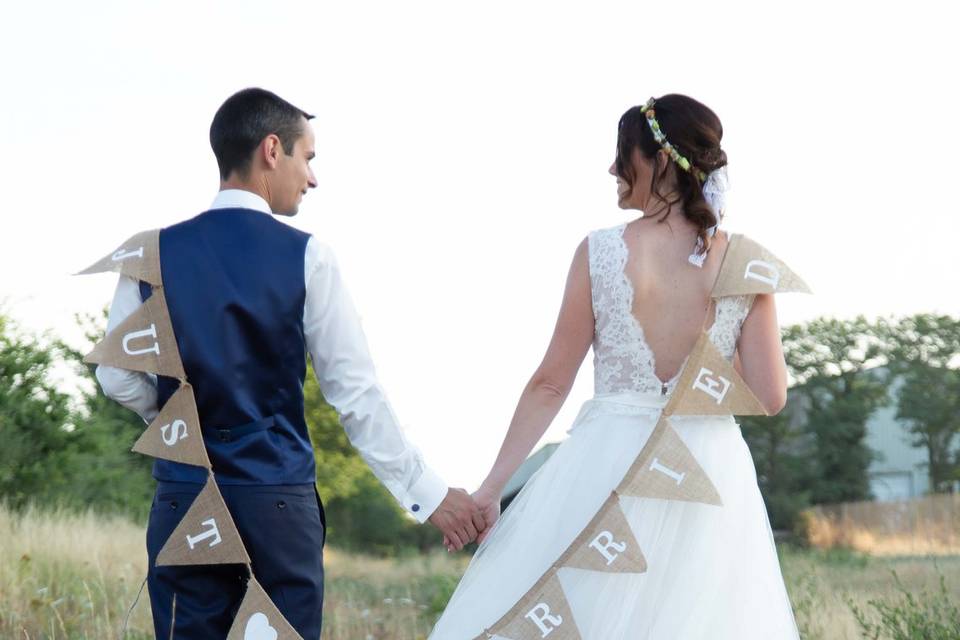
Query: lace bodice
623	361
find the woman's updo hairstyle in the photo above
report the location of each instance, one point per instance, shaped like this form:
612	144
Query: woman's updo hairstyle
694	130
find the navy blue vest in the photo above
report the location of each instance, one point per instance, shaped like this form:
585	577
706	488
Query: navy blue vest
234	283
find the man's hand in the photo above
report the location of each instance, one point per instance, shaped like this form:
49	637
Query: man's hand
458	518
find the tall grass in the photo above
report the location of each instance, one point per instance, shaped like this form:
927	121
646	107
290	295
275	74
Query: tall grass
921	526
68	575
372	598
828	588
74	576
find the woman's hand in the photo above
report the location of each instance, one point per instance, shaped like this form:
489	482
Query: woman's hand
488	501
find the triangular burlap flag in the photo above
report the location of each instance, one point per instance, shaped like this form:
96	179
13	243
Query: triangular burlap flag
543	612
206	535
667	470
175	433
142	342
710	386
606	544
138	257
748	268
259	619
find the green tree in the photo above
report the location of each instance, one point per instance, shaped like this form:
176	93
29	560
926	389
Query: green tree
924	350
63	451
783	468
35	420
106	475
834	363
814	450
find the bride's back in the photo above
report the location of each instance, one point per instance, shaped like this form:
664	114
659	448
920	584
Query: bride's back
650	305
671	296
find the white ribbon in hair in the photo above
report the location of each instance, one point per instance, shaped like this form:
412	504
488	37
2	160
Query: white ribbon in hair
715	193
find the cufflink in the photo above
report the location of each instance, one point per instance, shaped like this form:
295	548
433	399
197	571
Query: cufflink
415	508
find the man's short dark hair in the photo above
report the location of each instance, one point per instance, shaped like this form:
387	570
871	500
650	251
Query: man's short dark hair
244	120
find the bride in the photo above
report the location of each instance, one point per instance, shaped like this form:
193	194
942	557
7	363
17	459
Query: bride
640	295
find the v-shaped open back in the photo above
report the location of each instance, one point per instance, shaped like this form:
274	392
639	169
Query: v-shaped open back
623	358
669	320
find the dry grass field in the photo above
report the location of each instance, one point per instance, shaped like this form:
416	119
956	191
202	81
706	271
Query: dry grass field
73	576
921	526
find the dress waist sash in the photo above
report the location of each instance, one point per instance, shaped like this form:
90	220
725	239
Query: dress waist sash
633	403
655	401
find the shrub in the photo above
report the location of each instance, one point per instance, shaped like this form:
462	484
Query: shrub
923	617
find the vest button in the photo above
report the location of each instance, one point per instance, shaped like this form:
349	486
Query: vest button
281	504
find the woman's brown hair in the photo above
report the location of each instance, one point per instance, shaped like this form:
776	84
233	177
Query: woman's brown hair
694	130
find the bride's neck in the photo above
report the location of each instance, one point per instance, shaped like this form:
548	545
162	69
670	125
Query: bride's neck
657	208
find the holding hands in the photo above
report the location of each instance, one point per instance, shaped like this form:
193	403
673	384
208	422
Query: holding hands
459	519
463	518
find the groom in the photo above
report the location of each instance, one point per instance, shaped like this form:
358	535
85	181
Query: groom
249	296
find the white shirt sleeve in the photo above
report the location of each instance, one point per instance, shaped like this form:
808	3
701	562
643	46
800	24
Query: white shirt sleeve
345	371
134	390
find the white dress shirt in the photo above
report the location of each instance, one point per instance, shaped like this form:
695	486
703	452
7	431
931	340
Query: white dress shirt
341	360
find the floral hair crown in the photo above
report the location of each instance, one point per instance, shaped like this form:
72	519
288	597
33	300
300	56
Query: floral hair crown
661	139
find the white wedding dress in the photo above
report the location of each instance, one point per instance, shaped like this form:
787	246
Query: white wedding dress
713	572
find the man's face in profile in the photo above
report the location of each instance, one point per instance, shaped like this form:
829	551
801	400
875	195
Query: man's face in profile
293	175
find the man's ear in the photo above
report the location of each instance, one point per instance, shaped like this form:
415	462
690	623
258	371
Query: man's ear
270	150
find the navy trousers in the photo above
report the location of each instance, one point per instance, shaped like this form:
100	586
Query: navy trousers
283	529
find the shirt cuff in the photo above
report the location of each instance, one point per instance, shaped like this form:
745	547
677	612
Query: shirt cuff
425	495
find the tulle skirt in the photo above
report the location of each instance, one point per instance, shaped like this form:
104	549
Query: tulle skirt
712	571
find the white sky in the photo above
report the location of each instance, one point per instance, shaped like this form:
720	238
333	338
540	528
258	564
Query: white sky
462	155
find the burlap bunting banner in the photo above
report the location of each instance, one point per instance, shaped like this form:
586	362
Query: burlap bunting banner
748	268
709	385
259	619
543	612
667	470
606	544
143	342
206	535
138	257
175	433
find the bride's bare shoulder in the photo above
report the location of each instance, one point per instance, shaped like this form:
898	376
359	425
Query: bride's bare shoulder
608	231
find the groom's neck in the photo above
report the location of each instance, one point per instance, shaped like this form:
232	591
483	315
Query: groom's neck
259	187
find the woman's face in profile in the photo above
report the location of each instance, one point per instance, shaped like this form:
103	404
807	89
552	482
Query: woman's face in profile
637	197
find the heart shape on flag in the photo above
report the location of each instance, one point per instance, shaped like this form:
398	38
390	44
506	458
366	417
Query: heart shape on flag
258	628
